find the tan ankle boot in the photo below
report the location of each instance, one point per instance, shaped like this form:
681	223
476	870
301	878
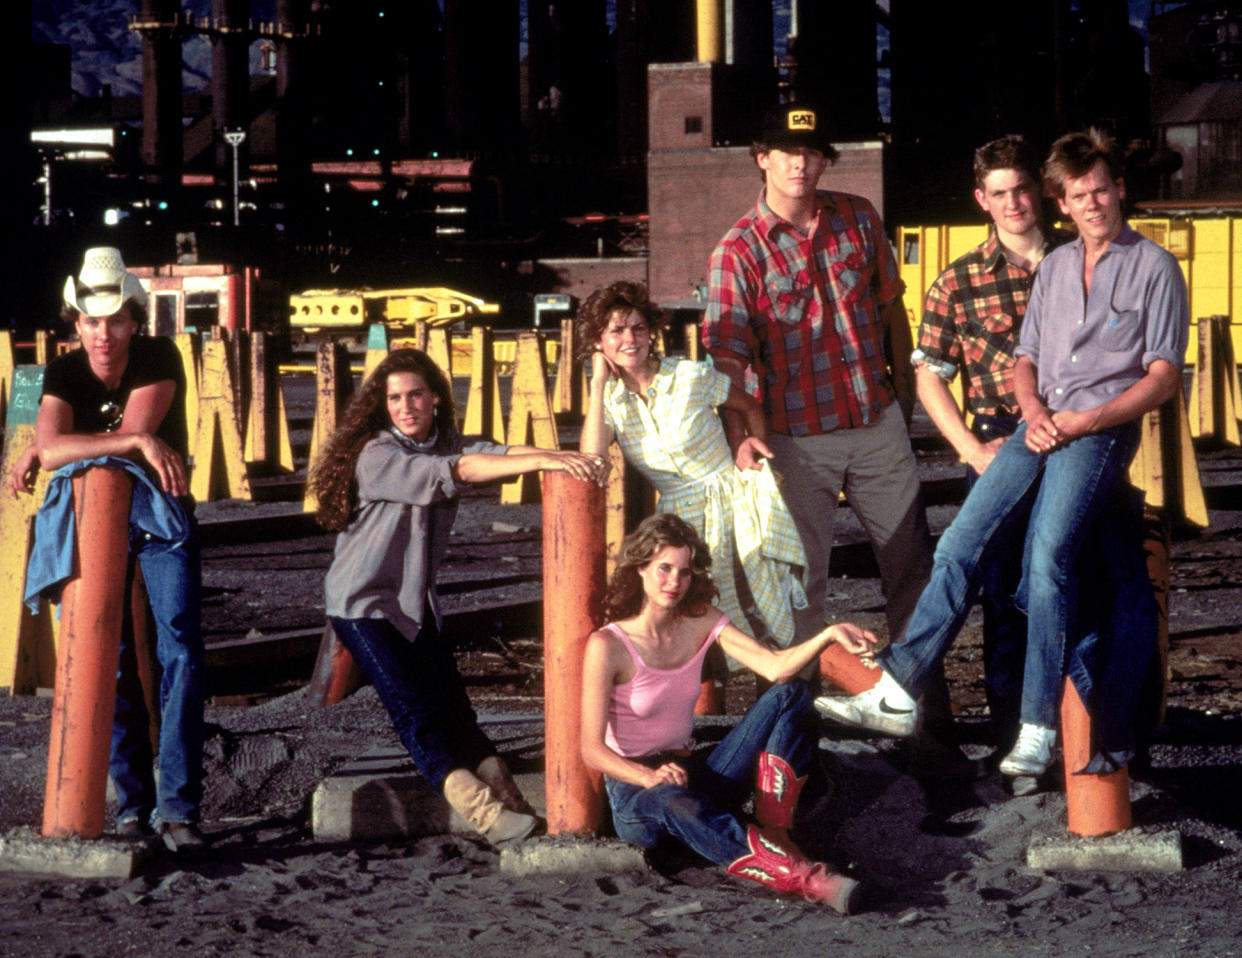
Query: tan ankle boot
476	803
495	773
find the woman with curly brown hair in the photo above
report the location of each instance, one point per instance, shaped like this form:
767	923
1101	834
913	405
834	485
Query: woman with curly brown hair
388	480
640	680
662	412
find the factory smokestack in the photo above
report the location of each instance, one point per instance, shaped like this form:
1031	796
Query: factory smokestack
160	24
230	78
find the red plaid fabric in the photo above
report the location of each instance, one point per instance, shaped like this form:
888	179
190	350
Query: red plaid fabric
804	311
971	318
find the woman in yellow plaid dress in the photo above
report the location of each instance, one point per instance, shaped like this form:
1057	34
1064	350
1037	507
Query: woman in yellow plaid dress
662	412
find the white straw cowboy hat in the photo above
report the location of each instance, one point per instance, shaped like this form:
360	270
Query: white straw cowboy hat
104	285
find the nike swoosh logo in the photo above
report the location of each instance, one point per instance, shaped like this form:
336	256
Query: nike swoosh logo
889	710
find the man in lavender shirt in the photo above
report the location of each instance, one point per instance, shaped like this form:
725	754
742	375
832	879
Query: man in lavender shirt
1102	343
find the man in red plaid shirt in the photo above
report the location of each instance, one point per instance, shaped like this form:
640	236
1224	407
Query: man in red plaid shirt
971	319
805	290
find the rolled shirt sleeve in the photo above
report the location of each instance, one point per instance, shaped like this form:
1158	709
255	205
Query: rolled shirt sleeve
1168	316
938	342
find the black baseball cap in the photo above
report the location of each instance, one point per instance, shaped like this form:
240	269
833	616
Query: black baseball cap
796	124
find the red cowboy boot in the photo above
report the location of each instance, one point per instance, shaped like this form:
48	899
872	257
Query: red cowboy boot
776	796
784	870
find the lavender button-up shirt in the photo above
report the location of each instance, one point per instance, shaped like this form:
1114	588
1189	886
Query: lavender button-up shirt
1090	348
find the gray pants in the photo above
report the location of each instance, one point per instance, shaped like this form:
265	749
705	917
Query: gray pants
874	466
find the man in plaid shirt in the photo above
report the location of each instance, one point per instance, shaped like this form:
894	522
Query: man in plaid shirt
805	290
970	324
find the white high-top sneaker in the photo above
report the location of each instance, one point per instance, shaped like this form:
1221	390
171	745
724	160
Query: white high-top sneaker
1032	754
885	707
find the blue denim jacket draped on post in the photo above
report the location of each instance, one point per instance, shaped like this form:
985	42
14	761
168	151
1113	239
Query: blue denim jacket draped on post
152	512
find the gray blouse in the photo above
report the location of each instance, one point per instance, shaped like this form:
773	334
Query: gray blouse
385	562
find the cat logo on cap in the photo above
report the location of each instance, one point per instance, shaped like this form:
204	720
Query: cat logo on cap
801	121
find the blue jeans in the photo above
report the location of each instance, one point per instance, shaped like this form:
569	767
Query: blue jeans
703	814
173	577
423	692
1110	664
1004	623
1071	485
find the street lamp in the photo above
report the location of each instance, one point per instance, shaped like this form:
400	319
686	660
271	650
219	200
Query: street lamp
235	138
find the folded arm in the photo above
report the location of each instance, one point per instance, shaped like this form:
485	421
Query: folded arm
58	444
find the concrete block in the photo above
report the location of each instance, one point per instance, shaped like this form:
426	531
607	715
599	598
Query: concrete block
381	797
74	857
562	854
1134	850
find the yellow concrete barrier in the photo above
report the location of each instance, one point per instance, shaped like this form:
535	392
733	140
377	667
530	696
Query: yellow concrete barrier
570	389
267	423
6	370
438	351
190	347
43	344
484	416
333	386
27	641
219	464
1165	467
1214	405
531	421
694	341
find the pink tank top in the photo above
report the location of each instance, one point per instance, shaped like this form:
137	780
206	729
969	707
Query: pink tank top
654	711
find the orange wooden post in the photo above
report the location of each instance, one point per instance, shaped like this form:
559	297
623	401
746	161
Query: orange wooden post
846	670
1095	804
92	609
336	675
573	594
711	700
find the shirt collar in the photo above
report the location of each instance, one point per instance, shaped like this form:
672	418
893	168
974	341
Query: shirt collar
768	222
994	253
662	383
1126	240
413	445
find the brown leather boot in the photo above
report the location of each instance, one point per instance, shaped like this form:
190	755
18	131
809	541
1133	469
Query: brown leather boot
476	803
783	870
776	796
495	773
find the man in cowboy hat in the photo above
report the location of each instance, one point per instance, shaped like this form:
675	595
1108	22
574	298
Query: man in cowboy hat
122	394
804	289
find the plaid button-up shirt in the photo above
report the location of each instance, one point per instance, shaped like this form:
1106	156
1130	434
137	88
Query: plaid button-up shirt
971	319
804	311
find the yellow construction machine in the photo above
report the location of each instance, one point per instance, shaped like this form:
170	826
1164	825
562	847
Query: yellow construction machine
347	313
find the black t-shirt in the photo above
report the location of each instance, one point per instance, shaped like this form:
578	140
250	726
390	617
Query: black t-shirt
152	359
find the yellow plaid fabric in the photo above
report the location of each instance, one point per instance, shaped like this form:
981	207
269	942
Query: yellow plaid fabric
674	437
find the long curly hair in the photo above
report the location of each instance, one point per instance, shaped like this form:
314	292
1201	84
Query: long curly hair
596	312
332	481
624	597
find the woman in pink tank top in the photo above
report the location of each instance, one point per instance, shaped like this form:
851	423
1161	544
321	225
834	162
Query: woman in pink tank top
640	683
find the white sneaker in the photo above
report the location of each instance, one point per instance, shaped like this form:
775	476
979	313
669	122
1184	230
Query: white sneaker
1032	754
885	707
